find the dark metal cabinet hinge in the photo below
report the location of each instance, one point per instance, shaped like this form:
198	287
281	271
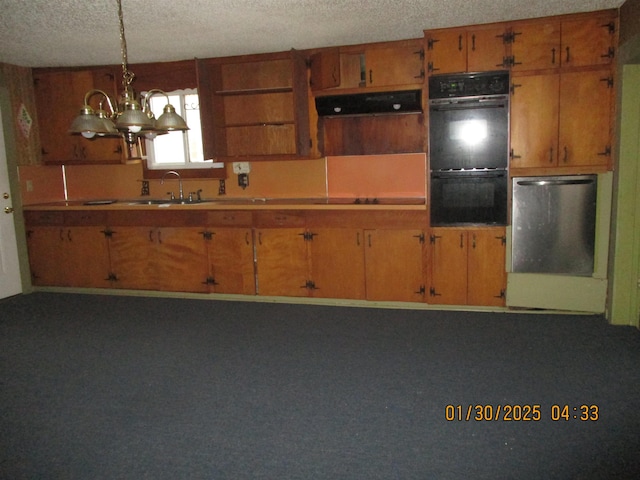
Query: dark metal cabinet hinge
207	235
433	293
609	81
310	285
307	236
420	237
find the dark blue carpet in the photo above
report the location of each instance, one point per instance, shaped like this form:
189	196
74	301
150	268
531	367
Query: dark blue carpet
100	387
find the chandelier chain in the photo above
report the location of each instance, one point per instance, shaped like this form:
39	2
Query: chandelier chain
127	75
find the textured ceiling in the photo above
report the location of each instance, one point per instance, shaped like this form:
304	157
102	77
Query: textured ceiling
39	33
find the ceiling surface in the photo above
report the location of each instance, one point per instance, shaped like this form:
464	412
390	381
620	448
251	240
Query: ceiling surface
46	33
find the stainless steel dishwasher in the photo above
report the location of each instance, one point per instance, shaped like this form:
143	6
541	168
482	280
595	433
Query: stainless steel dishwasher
554	221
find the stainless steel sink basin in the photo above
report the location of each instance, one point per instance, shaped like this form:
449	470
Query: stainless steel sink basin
166	201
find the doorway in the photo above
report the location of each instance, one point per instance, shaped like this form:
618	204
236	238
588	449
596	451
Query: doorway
10	280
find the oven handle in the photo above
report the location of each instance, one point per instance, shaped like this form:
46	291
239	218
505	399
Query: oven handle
466	106
446	175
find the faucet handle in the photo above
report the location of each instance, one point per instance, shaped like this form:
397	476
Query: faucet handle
171	195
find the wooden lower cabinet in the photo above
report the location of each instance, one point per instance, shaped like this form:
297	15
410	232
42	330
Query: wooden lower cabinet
65	256
371	264
349	263
281	262
230	256
468	266
394	265
153	258
337	263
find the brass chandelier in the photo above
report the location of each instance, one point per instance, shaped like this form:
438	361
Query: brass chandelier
130	117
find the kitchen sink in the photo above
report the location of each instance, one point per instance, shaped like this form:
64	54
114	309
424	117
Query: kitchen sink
166	201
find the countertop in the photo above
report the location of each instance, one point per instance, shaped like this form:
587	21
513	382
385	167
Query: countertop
409	203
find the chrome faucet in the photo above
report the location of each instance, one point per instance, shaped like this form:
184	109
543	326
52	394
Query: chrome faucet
180	190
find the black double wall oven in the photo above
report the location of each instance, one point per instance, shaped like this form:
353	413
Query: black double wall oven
468	148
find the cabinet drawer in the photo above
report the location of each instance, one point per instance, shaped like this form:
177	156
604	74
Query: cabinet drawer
282	218
85	217
234	218
44	217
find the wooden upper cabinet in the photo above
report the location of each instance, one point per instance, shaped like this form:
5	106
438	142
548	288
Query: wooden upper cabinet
446	51
255	106
589	41
535	45
401	65
325	69
486	48
381	66
552	42
455	50
534	120
59	99
585	118
562	119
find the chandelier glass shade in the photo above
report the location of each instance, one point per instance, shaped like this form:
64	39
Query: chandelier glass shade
130	117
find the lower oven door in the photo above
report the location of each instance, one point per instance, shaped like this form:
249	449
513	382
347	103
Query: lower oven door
469	198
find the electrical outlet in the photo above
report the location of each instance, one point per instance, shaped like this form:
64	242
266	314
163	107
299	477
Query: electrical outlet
243	180
241	167
29	185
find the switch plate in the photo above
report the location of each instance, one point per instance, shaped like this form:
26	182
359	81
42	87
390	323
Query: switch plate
241	167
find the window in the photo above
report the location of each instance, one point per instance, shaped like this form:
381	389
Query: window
177	150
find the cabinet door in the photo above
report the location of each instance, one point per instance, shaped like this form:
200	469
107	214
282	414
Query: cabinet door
86	257
394	265
585	118
486	48
534	120
446	51
281	255
179	261
486	267
337	263
588	41
231	261
325	69
59	98
535	45
101	150
131	251
68	257
394	66
45	255
448	266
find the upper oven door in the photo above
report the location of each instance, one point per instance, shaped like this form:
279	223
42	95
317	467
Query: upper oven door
469	132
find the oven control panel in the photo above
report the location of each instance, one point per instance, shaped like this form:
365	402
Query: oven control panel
469	84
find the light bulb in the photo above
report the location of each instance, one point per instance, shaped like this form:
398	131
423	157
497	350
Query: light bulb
135	128
88	134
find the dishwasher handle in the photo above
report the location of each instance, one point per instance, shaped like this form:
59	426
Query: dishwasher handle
528	183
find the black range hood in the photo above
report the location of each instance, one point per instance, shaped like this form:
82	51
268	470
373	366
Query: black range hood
409	101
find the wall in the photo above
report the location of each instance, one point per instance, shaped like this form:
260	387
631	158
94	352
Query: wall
624	290
19	83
